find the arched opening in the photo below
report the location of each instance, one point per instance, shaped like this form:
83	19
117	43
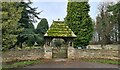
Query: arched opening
59	48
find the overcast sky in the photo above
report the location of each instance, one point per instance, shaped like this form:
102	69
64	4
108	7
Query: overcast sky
54	9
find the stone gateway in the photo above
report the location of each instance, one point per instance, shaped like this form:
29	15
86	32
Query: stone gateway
59	41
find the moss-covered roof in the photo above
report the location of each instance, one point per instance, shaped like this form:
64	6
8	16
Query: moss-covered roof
59	29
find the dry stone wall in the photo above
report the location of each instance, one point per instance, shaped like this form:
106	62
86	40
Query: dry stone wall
95	53
17	55
33	54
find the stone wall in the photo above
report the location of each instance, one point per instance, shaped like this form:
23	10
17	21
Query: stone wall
95	53
17	55
108	47
34	54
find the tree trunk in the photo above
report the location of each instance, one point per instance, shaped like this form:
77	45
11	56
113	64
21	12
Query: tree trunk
118	33
99	38
21	45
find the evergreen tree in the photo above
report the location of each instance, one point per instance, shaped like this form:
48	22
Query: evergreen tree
42	26
11	14
41	29
29	15
115	9
27	36
80	22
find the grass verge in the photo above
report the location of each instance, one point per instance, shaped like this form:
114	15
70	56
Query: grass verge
20	64
106	61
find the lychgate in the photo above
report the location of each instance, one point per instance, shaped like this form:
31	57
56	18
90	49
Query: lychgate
59	31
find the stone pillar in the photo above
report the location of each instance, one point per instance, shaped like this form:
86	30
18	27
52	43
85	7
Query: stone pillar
71	53
47	51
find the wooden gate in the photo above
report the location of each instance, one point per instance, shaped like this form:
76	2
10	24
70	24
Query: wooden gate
59	52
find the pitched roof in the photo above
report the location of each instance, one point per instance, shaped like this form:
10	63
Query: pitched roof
59	29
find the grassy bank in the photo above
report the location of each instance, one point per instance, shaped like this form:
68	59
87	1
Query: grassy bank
20	64
106	61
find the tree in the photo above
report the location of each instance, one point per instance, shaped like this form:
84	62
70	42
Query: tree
41	29
80	22
115	10
98	28
27	36
30	34
95	36
0	34
29	15
11	14
42	26
104	26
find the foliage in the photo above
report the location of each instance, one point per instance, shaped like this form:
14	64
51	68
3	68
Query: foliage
11	14
115	18
58	42
29	33
27	36
107	23
29	15
42	26
41	29
39	39
103	25
80	22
